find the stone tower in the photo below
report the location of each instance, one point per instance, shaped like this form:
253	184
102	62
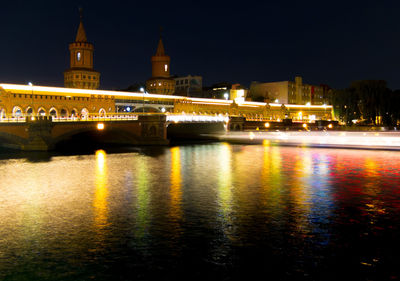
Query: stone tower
160	82
81	73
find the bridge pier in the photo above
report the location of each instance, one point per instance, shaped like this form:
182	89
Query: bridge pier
153	129
236	123
39	134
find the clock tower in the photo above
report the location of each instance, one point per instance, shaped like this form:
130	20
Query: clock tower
81	73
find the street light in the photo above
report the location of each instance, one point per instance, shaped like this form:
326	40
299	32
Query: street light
226	96
142	90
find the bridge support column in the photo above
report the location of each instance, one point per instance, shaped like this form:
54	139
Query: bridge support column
236	123
153	129
39	131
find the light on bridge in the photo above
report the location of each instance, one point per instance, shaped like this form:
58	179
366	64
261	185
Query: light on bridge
100	126
267	125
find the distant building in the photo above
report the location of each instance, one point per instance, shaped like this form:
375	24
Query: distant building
289	92
188	85
217	91
238	93
81	73
160	81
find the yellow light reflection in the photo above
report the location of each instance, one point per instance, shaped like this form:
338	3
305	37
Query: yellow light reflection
100	203
375	207
271	177
225	187
301	189
176	184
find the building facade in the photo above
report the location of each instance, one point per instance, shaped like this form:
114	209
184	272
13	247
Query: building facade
188	85
289	92
81	73
160	81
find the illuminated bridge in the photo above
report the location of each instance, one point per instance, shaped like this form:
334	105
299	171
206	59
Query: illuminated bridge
29	100
37	117
40	133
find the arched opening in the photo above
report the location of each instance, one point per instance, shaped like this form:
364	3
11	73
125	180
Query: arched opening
63	112
53	112
74	112
102	112
84	113
29	111
17	112
2	113
41	112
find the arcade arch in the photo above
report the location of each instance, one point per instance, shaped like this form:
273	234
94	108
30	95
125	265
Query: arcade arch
41	111
53	112
17	111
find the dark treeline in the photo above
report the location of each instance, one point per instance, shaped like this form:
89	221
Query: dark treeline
369	101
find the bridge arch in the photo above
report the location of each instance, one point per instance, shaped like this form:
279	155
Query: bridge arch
102	112
12	140
41	111
89	134
29	111
3	113
74	112
147	109
64	112
84	112
53	112
17	111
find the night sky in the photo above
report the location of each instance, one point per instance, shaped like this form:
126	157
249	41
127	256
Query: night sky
325	42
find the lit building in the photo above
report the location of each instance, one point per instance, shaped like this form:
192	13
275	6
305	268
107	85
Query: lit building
289	92
81	73
160	81
188	85
238	93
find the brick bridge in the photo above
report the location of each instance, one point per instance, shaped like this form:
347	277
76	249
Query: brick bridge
43	133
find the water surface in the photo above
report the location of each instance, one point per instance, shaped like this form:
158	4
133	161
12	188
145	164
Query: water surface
211	211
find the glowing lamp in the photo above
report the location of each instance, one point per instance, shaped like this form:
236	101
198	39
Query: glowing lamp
267	125
100	126
304	125
330	126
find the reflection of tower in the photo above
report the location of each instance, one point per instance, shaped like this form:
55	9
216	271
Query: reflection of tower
160	82
81	73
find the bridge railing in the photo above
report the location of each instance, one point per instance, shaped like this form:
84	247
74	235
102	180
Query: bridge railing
9	119
170	117
96	118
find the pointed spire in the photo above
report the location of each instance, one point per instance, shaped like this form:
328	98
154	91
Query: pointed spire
160	49
81	34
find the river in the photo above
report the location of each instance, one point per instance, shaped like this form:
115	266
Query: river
214	211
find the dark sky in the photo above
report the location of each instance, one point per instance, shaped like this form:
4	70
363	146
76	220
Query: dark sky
325	42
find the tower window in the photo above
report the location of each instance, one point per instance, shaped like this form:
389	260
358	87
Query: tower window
166	67
78	56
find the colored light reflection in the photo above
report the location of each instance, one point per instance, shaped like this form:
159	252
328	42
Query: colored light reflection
271	177
176	184
100	203
143	197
